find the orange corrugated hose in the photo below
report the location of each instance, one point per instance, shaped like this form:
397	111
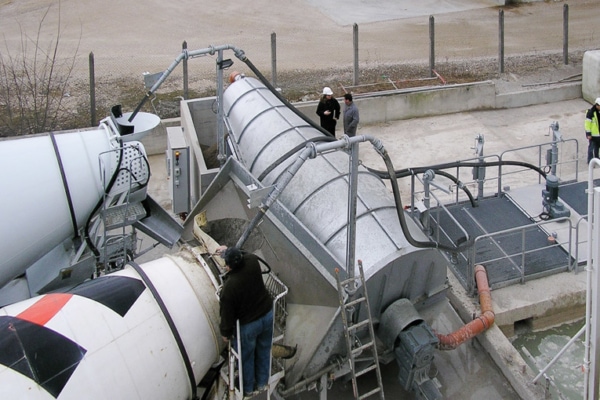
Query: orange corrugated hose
479	324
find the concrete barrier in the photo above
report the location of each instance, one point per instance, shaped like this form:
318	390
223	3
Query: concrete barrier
590	83
543	95
396	105
413	103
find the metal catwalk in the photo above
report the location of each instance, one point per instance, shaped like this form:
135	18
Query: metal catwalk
574	195
506	241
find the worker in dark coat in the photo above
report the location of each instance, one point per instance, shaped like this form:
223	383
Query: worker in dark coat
244	297
328	111
351	116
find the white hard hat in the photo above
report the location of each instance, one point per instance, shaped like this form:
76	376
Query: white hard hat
327	91
597	100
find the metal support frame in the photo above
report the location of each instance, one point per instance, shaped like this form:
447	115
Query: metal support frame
592	325
352	190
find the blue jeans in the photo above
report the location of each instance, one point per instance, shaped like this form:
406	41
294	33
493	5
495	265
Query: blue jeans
256	338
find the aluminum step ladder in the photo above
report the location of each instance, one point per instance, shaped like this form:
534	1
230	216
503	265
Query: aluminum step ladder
350	301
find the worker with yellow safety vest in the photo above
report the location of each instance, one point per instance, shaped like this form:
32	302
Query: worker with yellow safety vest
592	130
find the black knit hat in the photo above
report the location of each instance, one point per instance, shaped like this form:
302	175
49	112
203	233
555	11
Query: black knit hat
232	257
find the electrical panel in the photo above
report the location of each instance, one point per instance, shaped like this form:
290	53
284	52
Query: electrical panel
178	170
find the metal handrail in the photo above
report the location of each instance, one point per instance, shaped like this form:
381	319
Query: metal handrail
522	231
439	205
539	156
501	174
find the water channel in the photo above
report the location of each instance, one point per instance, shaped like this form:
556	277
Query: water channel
539	348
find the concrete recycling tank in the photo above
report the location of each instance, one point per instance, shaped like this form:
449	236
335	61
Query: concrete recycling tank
303	234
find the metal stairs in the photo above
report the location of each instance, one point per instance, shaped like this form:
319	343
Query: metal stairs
360	364
125	173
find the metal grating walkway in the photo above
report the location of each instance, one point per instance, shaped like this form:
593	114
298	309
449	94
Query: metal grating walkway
574	195
502	253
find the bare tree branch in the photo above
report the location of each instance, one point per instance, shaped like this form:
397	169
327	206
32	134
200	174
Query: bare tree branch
34	83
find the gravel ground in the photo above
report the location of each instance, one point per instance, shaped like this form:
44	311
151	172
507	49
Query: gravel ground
313	50
524	72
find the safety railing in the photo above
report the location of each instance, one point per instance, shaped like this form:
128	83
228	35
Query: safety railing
419	214
567	169
498	178
115	240
501	171
278	293
518	257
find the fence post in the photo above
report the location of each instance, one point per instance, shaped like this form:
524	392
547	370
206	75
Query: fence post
501	41
274	59
92	90
566	34
355	42
431	45
185	72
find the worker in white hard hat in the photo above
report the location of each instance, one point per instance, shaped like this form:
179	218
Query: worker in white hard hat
328	111
592	130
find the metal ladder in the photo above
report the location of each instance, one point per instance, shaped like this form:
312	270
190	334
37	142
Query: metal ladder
111	230
355	348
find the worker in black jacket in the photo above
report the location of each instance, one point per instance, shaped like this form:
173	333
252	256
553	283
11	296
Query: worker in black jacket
244	297
328	111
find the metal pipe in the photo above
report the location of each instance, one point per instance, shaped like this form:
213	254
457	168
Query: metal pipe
588	293
220	123
479	324
355	52
566	34
352	190
431	45
274	59
501	41
556	137
184	55
560	353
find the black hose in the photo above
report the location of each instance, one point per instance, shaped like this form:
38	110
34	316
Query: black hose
261	261
107	190
439	172
459	185
402	219
265	82
436	168
111	183
410	171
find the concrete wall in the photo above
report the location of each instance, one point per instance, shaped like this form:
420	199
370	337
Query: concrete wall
202	117
398	104
543	95
412	103
590	84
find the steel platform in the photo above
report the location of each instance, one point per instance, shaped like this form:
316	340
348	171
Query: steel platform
507	236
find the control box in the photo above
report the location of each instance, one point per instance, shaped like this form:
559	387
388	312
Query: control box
178	170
